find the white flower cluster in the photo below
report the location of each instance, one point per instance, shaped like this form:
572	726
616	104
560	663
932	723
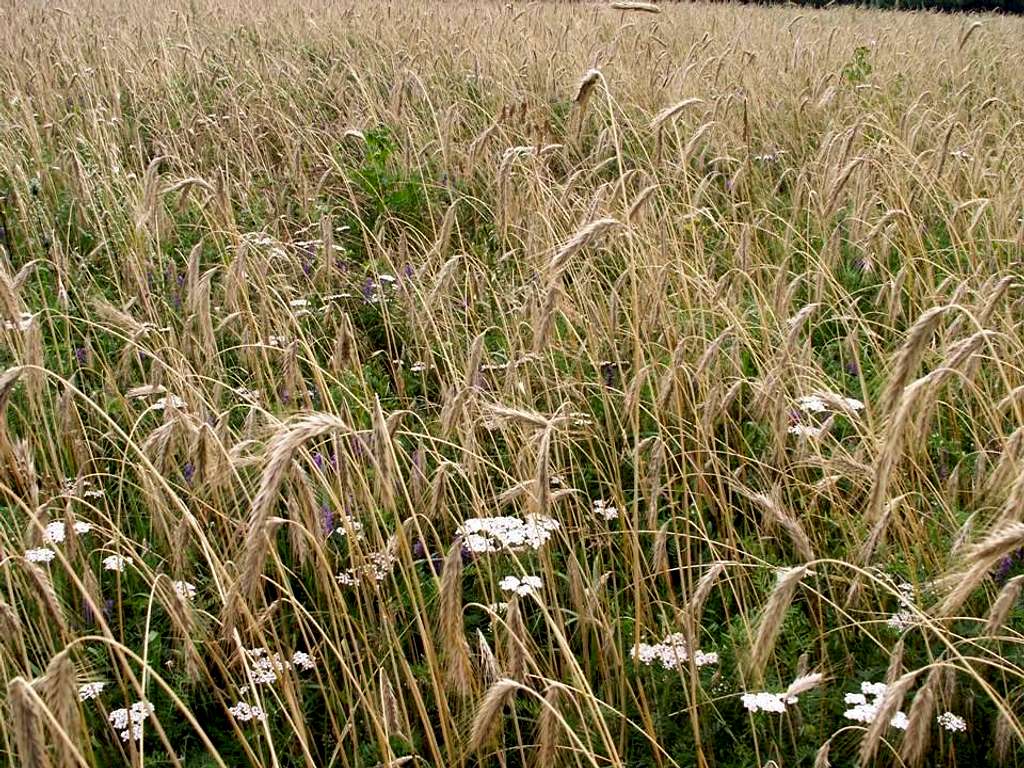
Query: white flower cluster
128	722
903	620
864	711
90	691
820	402
671	652
805	430
245	712
56	531
185	590
116	563
605	510
22	323
952	722
765	701
265	667
376	570
40	555
302	660
172	400
528	585
493	534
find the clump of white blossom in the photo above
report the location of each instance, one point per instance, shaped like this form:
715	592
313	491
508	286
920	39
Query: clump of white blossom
765	701
528	585
821	402
494	534
265	666
244	712
128	722
605	510
952	722
865	710
55	532
903	620
185	590
671	652
116	563
170	400
90	691
40	555
805	430
302	660
376	570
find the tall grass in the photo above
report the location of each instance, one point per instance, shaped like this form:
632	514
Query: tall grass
322	319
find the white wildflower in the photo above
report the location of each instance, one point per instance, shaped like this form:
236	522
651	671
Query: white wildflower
129	721
22	323
865	711
185	590
901	621
528	585
172	400
244	712
40	555
116	563
952	722
803	430
605	510
90	691
491	534
302	660
81	528
671	653
55	532
766	701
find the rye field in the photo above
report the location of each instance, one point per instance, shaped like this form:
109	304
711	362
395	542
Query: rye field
453	384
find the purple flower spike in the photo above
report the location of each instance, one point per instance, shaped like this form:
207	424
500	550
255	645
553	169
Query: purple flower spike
328	519
188	471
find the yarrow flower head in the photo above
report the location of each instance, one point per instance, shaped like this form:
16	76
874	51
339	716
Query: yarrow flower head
116	563
671	653
40	555
605	510
863	710
375	571
128	722
185	590
90	691
805	430
952	722
494	534
55	532
244	712
528	585
765	701
302	660
821	402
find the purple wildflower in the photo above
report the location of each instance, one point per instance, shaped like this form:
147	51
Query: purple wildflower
328	519
81	355
369	289
188	471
